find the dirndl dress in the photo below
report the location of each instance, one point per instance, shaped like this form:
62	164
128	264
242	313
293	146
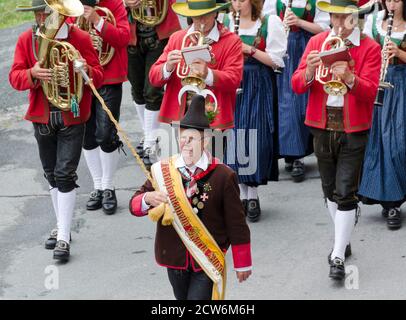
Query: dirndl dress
384	171
294	137
255	131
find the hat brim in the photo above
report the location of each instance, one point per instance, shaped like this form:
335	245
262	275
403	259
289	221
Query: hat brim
182	9
30	8
327	7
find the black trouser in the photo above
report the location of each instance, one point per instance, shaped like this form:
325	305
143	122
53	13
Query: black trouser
140	60
189	285
339	157
100	131
59	148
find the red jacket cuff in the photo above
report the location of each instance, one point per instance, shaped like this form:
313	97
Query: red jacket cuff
242	255
136	206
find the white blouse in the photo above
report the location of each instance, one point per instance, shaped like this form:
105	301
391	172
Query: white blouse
321	18
276	40
379	19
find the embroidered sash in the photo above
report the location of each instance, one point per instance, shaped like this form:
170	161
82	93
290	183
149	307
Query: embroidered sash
193	233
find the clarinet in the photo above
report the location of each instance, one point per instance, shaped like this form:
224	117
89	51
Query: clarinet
237	22
236	31
288	7
385	64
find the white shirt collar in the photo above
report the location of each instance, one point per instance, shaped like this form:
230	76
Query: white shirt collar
202	163
214	33
354	37
62	33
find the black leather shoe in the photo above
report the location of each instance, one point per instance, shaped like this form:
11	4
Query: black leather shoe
140	148
62	251
337	269
150	157
50	243
385	212
394	220
245	205
253	210
288	166
95	200
298	171
109	202
347	253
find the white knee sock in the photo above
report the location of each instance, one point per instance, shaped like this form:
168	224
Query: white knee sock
140	112
151	125
332	208
344	225
252	193
243	191
66	206
109	163
54	198
93	163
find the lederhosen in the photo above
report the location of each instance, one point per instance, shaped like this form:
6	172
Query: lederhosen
140	59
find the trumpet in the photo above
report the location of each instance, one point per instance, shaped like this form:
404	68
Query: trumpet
334	87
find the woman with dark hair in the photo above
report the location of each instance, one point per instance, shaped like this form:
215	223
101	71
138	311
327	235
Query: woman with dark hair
303	20
264	45
384	174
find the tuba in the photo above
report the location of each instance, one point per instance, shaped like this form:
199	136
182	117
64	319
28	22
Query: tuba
334	87
65	90
105	50
150	12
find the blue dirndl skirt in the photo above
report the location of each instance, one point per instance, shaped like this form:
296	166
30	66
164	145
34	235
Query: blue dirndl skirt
384	171
253	154
294	136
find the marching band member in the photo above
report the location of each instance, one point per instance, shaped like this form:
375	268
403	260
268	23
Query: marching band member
222	75
384	174
340	124
264	46
303	20
147	43
59	134
212	216
101	140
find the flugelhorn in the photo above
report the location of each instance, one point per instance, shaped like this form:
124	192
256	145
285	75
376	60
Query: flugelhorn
65	90
334	87
193	83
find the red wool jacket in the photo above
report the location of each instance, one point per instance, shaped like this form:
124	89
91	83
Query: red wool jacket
163	30
359	101
20	76
117	36
227	73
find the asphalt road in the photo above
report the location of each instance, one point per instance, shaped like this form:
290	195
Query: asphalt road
112	256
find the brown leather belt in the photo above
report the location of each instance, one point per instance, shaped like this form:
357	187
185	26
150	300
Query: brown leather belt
335	120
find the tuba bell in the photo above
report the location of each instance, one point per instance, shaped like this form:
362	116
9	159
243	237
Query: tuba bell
65	90
334	87
150	12
105	50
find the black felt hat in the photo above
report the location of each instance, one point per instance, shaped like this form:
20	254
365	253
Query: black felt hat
195	117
